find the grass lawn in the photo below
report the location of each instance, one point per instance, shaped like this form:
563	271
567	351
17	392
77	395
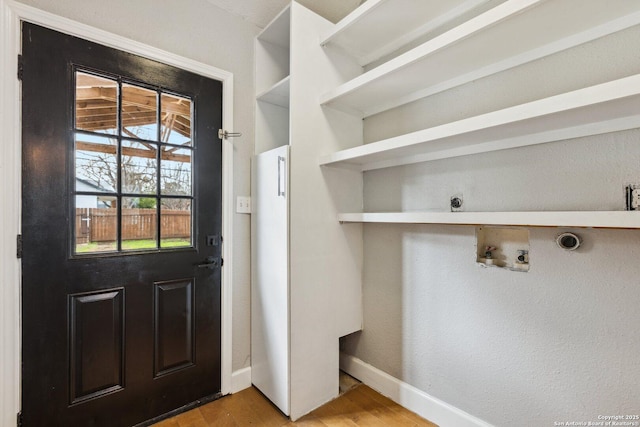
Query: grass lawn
131	245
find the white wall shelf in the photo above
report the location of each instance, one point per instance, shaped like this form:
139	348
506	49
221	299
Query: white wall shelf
272	70
512	30
582	219
379	27
272	52
608	107
278	31
278	94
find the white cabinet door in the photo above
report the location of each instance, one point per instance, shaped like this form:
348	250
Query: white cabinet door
270	276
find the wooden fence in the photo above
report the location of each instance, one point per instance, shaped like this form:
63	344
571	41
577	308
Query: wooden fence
100	225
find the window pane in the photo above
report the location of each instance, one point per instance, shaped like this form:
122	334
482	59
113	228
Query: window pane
175	228
139	167
96	103
176	120
175	171
96	164
96	224
139	107
139	223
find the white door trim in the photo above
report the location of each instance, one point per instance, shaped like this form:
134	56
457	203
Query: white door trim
11	13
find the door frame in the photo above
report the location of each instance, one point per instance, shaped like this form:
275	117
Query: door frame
11	14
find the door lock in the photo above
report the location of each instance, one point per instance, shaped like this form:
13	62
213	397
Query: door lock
211	262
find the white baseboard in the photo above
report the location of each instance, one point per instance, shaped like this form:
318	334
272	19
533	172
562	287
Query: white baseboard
404	394
240	379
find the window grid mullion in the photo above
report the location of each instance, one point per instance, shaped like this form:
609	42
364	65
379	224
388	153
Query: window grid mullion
119	166
159	170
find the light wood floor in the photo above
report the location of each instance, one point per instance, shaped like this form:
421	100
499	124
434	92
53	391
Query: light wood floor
360	406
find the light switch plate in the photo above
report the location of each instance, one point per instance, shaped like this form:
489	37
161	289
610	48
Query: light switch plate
243	205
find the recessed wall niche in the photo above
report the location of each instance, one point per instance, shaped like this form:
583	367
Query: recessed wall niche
501	247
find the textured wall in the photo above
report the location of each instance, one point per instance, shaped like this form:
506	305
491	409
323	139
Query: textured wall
197	30
558	343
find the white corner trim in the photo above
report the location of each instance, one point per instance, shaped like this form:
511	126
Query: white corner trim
410	397
241	379
10	168
11	13
226	296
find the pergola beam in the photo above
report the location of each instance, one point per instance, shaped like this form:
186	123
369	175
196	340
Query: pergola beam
133	96
129	151
97	107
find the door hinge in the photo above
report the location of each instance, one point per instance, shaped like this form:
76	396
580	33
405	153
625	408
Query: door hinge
20	67
19	245
19	420
223	134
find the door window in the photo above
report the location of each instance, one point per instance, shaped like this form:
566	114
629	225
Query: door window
133	165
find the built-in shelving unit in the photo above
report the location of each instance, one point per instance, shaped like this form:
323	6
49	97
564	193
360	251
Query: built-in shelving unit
272	52
278	31
273	68
511	34
270	216
278	94
293	363
590	219
608	107
508	35
379	27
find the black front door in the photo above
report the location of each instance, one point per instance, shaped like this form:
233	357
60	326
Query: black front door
121	222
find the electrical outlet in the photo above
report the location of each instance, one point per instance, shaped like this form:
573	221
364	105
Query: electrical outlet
632	193
243	205
456	203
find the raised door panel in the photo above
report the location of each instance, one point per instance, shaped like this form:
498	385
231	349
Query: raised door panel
96	331
174	341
